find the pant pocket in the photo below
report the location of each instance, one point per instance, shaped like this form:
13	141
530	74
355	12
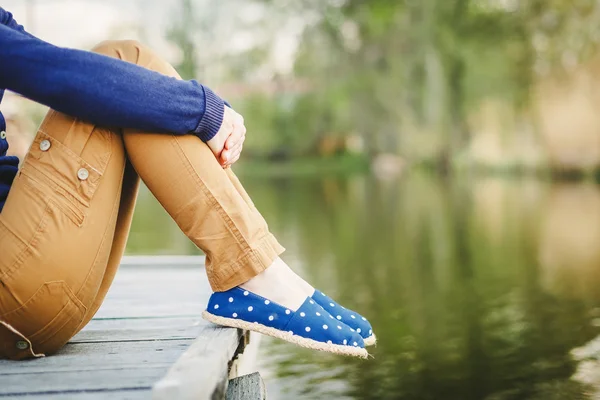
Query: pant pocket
54	196
23	224
47	321
68	181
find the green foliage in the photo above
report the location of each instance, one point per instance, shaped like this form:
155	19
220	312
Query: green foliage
392	70
180	34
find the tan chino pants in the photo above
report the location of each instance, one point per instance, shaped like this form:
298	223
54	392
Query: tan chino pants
65	224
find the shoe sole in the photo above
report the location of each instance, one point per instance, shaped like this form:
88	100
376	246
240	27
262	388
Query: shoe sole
371	340
295	339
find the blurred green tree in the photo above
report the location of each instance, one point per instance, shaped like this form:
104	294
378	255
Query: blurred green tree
181	33
406	76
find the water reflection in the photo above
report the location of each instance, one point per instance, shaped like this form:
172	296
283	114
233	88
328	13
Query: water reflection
477	288
569	250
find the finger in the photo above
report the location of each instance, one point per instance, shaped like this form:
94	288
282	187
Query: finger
229	155
234	140
232	155
234	160
236	136
224	157
237	148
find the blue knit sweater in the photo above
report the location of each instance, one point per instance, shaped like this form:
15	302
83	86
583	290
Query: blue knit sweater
99	89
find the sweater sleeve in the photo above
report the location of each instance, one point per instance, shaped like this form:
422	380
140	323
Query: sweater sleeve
105	91
6	19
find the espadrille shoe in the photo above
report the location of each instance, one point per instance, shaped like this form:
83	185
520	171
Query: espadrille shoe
354	320
310	326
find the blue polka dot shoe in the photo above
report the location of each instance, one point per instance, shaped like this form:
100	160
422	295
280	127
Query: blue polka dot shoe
354	320
310	326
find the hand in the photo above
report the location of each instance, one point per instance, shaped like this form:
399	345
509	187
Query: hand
227	144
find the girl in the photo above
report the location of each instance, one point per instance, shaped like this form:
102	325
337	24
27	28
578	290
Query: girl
120	114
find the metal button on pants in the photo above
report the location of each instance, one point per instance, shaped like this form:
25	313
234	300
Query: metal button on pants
83	174
45	145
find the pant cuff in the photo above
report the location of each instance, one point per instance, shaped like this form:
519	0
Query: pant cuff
251	263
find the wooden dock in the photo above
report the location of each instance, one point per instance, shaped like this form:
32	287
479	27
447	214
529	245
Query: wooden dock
147	341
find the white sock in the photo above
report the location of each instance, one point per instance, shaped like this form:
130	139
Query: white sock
281	285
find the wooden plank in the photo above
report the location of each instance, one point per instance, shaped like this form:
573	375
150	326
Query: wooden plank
117	330
119	355
247	387
149	319
202	371
155	292
121	368
137	394
78	381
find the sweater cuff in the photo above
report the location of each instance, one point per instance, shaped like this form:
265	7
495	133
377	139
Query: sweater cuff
213	116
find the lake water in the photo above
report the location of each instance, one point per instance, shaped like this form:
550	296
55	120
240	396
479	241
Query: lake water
477	288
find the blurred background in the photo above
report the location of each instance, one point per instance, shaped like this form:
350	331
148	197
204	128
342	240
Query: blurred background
433	164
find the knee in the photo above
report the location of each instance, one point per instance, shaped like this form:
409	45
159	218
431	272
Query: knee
137	53
126	50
